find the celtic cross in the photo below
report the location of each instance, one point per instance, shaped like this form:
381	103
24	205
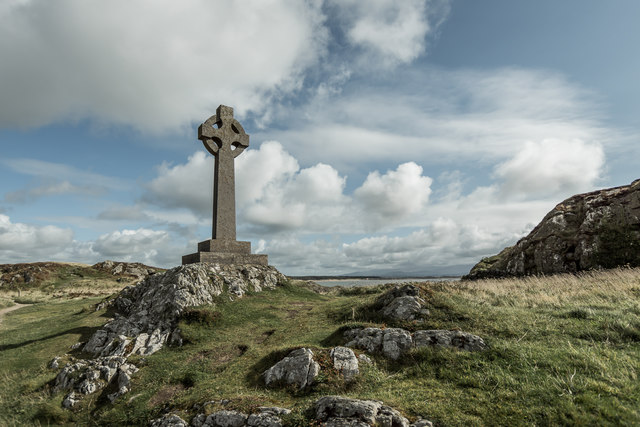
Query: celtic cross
225	138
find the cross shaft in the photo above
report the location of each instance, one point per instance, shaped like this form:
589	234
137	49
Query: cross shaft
225	138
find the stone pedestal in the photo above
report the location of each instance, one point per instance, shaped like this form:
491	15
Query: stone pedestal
225	251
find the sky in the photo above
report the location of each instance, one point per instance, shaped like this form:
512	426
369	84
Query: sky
386	137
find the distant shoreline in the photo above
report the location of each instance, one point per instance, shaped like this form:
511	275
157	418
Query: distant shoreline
341	278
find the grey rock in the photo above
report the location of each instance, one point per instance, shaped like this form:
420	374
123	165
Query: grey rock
455	339
298	369
264	420
88	376
585	231
396	342
226	419
168	420
402	302
198	420
422	423
55	363
392	342
345	361
148	312
367	339
265	417
343	411
363	358
70	400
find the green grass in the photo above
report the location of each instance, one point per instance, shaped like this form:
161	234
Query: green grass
562	350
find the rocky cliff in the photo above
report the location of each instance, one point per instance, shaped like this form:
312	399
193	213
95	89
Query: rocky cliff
600	229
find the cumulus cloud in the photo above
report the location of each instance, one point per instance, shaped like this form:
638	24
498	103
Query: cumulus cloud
188	186
274	194
551	167
394	31
396	194
23	242
152	66
141	245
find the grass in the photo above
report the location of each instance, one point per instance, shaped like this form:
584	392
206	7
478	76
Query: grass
562	350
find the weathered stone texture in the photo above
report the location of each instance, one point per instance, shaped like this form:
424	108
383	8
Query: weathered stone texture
343	411
393	343
586	231
345	361
148	312
297	369
401	303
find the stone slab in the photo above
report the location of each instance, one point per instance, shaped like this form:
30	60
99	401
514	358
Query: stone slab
225	258
225	245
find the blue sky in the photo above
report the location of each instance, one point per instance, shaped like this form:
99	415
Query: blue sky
386	137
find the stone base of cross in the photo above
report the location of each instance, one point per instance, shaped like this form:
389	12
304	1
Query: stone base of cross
225	138
224	251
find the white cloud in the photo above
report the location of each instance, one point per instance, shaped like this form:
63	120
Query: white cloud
396	194
469	115
188	186
154	66
551	167
274	194
394	31
141	245
23	242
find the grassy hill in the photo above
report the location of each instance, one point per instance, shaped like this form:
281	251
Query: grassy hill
562	350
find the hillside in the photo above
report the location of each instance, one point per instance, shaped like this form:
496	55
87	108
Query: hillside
560	350
39	281
600	229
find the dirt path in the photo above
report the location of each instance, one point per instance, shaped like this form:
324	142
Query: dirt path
3	311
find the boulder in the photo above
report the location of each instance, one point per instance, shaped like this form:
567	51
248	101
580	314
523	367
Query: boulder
265	417
344	411
345	362
402	302
600	229
168	420
453	339
297	369
393	343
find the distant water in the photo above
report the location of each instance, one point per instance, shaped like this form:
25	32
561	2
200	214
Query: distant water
373	282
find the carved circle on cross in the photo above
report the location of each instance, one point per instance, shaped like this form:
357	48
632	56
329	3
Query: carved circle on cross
223	133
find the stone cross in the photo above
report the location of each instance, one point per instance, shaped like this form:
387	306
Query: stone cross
225	138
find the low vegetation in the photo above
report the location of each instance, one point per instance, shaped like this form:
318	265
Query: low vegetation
562	350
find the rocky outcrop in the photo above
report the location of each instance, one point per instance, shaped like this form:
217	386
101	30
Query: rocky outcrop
402	302
297	369
82	377
147	313
140	271
393	343
146	319
600	229
328	411
334	411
